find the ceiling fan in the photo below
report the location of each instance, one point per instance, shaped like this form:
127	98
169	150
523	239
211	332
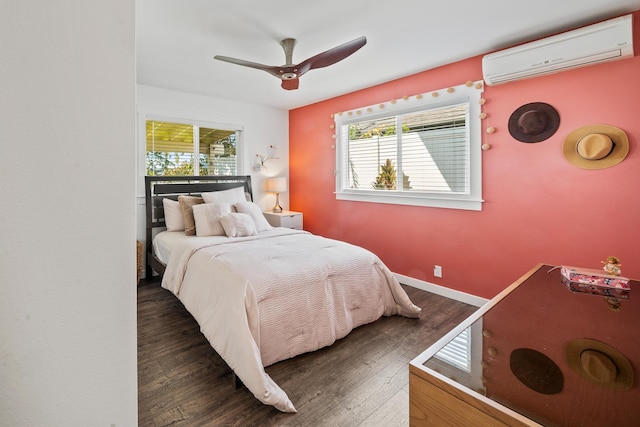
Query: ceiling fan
289	73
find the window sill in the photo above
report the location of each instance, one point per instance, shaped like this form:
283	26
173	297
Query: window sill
411	200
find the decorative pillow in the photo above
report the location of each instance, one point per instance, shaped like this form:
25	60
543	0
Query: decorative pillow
233	195
186	204
238	225
207	217
173	218
256	213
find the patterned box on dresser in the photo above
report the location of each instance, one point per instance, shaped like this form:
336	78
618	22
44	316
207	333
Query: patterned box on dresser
588	276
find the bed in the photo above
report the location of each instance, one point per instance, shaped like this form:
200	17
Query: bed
260	294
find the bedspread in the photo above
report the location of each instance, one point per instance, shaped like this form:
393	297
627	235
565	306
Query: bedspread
272	296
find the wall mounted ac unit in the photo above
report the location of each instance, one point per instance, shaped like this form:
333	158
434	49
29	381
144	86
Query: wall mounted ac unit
602	42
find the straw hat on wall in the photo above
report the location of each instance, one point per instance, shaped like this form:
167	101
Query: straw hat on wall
596	146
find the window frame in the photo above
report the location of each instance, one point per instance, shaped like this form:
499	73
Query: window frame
146	113
469	94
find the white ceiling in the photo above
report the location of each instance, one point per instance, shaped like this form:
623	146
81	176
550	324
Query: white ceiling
177	40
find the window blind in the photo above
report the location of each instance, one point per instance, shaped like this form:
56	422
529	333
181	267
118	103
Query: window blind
428	153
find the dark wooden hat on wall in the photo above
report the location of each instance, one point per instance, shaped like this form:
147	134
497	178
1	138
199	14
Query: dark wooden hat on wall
534	122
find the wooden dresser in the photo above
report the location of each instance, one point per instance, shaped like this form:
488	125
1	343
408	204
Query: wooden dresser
517	360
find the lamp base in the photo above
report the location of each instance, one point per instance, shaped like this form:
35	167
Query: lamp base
277	208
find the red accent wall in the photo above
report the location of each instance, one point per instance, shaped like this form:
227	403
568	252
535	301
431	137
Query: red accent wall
538	207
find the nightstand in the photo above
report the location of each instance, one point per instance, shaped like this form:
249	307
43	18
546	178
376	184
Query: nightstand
288	219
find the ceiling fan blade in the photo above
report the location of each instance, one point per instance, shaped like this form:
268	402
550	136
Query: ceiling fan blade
331	56
269	69
290	84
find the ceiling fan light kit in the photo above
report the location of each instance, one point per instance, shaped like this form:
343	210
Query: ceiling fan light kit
289	73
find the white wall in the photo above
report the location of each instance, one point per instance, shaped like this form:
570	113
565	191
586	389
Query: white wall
67	216
262	127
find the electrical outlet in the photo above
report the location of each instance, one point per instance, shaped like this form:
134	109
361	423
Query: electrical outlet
437	270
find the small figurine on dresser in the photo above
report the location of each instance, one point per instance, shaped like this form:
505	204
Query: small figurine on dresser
612	266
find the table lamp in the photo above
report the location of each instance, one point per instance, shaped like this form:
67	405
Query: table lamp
277	185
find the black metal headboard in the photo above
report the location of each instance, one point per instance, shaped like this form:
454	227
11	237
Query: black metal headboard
160	187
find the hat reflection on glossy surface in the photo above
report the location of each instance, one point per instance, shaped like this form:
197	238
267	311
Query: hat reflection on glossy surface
599	363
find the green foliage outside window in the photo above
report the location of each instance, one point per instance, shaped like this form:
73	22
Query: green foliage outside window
160	163
171	149
356	133
386	179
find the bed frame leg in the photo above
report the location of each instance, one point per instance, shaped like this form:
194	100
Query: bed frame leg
236	381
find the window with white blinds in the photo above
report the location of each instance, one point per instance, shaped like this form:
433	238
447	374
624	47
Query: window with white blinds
421	151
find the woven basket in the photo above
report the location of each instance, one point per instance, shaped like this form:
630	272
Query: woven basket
139	253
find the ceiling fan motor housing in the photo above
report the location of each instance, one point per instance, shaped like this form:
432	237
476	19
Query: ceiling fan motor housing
288	75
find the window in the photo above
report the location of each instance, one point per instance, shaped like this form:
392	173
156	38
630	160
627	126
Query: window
189	149
423	151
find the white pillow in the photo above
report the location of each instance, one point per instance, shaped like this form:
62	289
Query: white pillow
173	217
233	195
207	217
256	213
238	225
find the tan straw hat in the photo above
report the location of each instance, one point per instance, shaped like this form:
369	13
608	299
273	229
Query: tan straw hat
596	146
599	363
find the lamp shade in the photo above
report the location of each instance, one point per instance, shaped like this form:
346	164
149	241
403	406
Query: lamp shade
277	184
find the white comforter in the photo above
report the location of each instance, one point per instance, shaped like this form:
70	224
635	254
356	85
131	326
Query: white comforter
269	297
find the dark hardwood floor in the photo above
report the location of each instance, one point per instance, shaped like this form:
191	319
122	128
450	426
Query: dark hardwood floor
361	380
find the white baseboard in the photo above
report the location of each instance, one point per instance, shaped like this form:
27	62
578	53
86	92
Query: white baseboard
441	290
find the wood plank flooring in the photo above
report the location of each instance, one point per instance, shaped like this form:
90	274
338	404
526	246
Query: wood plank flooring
361	380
